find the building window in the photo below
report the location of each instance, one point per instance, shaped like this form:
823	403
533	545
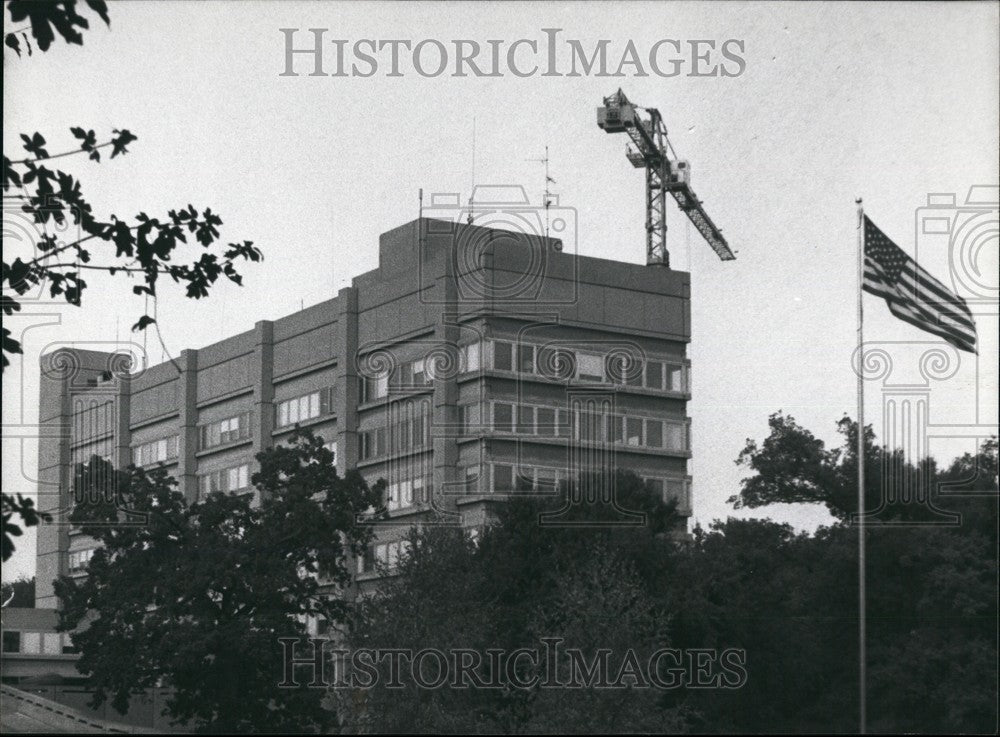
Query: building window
503	417
373	443
414	374
386	556
468	418
11	641
303	408
470	357
52	643
157	451
225	431
85	453
226	480
470	478
677	436
503	478
526	359
654	433
332	447
589	367
374	387
503	356
633	431
525	419
31	643
590	426
79	559
675	379
654	375
546	417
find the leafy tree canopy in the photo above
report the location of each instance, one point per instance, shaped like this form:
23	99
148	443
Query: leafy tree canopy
196	595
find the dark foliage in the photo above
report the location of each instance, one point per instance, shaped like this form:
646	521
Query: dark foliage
196	596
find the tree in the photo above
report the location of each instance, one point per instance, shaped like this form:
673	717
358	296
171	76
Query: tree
195	596
519	582
931	603
19	593
141	248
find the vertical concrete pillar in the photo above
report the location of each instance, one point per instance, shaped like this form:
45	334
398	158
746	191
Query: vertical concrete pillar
123	413
263	385
187	397
58	371
445	399
346	390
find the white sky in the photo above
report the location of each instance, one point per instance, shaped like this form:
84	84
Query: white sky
885	101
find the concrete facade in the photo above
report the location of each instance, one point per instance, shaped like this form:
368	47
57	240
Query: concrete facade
470	358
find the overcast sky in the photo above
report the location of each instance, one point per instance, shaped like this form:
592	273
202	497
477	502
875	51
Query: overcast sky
888	102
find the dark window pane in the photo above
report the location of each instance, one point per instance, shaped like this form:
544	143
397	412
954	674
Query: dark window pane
526	420
654	375
503	477
654	433
633	431
503	418
546	421
502	358
526	359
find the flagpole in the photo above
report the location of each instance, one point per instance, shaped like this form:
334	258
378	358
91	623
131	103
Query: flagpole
862	618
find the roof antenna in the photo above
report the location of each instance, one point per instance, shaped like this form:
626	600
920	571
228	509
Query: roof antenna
420	220
547	202
473	188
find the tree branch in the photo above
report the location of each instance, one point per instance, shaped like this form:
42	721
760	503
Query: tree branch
64	153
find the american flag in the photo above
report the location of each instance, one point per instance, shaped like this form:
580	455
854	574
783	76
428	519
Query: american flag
912	294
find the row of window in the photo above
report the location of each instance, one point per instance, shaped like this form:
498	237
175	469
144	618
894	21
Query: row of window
305	407
38	643
383	555
78	559
224	431
408	430
83	453
407	492
560	364
226	480
546	361
415	374
584	425
507	477
156	451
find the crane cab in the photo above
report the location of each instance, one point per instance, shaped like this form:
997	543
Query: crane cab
616	114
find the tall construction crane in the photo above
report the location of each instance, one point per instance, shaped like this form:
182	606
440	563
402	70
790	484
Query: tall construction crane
664	173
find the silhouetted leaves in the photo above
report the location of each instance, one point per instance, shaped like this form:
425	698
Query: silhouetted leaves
119	141
143	249
19	505
88	142
49	17
35	145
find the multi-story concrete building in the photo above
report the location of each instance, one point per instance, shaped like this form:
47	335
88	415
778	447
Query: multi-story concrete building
471	363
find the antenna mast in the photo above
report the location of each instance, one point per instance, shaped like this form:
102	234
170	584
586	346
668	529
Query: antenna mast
472	188
547	194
